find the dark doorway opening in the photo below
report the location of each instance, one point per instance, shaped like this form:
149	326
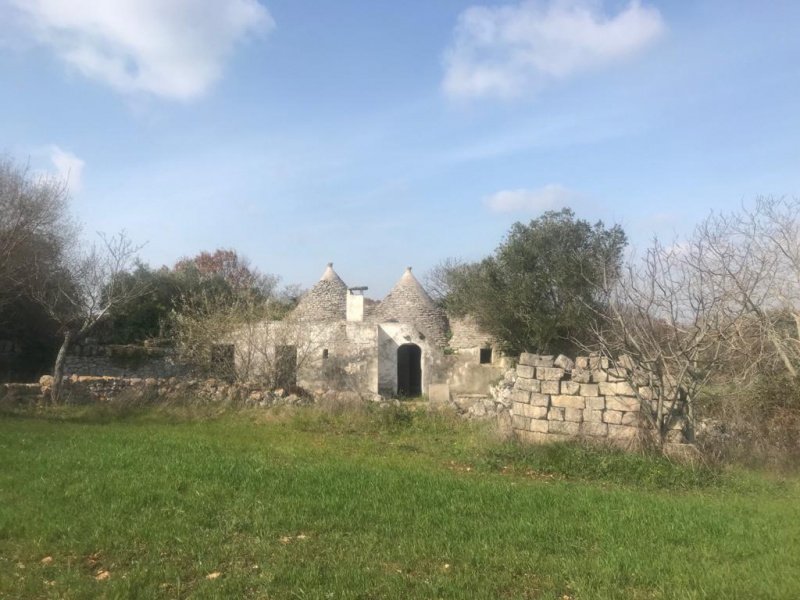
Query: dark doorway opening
486	356
285	366
409	370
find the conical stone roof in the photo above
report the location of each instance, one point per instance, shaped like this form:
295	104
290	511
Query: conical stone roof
408	302
326	301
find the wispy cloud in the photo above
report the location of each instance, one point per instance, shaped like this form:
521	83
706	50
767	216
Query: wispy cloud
511	50
170	48
68	167
549	197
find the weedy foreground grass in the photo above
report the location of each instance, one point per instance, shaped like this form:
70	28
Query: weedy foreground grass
177	502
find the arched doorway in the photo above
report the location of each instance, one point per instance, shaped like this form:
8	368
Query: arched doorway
409	370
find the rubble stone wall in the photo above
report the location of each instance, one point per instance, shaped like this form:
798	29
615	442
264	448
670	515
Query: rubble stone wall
558	399
122	361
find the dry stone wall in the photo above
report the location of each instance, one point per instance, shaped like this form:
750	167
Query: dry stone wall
557	399
123	361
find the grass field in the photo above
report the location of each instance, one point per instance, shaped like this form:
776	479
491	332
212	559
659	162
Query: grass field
370	504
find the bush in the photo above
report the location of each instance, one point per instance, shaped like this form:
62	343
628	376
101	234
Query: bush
757	425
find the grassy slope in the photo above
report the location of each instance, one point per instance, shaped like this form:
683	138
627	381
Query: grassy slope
316	506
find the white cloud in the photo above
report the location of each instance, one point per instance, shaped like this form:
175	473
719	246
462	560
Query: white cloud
549	197
170	48
69	168
511	50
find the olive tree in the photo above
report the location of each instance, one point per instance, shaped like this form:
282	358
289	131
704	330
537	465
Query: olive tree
540	289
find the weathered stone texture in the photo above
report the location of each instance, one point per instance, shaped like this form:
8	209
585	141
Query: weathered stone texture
581	375
568	401
595	402
621	388
520	422
521	396
466	333
326	301
529	385
559	399
540	399
408	302
533	412
550	387
549	373
623	403
539	425
564	362
526	372
594	429
630	418
570	387
567	427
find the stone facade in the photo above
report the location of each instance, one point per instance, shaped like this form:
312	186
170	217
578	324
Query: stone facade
465	333
397	346
336	339
558	399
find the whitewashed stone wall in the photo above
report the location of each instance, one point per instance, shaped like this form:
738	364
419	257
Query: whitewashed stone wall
557	399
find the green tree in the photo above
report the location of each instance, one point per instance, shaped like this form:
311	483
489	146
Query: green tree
222	275
35	229
541	289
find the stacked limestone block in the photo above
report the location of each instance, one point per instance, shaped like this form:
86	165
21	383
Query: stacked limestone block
556	399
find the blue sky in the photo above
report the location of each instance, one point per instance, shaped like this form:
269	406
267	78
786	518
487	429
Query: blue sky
384	134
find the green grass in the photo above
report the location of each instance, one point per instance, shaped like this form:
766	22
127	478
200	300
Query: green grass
370	504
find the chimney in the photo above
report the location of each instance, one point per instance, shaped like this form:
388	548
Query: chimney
355	304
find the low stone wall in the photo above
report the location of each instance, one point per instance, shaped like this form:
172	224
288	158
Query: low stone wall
88	389
122	361
558	399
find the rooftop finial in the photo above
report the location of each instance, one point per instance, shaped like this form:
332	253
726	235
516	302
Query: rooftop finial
408	269
330	264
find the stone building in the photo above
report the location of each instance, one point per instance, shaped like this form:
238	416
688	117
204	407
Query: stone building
401	346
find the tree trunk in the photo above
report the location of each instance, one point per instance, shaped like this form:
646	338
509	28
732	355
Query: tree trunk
58	368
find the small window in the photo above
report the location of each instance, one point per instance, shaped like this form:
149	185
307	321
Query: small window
486	356
325	353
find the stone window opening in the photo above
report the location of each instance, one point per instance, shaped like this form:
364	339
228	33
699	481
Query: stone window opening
486	356
324	354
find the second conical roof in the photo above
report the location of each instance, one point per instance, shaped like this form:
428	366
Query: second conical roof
408	302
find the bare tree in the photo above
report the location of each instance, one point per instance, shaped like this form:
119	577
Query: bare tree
754	256
439	279
665	331
82	289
